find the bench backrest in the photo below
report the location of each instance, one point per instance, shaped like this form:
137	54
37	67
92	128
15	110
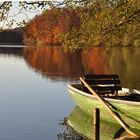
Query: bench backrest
103	84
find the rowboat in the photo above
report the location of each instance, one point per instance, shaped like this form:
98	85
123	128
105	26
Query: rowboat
82	123
125	103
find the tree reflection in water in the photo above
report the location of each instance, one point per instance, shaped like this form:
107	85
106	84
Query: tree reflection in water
68	132
52	62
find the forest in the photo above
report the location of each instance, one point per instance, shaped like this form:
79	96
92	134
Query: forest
13	36
46	28
89	24
81	23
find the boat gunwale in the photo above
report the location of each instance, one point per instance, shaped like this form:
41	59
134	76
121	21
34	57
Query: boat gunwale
107	99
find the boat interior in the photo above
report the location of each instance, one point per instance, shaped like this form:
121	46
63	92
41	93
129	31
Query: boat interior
122	94
109	86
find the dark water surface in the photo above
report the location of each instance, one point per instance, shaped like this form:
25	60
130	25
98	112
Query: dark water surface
33	94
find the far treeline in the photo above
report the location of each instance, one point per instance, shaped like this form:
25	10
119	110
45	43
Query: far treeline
10	36
110	23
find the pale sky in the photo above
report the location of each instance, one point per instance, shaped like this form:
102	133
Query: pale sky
23	15
18	15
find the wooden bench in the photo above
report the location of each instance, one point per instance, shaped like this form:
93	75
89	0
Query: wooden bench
103	84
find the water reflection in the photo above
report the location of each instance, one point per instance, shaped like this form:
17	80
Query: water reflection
54	63
79	125
125	62
68	133
11	50
30	106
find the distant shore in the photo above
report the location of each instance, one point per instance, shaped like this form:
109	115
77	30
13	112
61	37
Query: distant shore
11	43
11	37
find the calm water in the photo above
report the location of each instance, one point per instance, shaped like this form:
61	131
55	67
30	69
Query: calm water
31	106
33	95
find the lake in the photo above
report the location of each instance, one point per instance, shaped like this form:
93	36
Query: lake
34	100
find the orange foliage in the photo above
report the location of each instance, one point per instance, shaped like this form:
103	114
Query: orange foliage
46	28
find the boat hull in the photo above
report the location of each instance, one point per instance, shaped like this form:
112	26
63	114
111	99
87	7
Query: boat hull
129	111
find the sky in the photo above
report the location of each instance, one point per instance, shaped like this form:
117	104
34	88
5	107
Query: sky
19	16
23	15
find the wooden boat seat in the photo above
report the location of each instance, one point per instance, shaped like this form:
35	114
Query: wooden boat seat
103	84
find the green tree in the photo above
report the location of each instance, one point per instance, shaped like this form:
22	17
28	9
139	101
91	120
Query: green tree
105	23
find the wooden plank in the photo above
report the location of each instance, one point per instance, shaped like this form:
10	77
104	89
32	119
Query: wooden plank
99	88
99	92
96	124
104	82
99	76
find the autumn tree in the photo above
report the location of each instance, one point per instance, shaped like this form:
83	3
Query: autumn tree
46	28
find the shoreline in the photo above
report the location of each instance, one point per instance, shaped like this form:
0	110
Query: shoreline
12	44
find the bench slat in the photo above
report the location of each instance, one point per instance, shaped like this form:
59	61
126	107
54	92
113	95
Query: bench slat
99	76
103	82
114	88
99	92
